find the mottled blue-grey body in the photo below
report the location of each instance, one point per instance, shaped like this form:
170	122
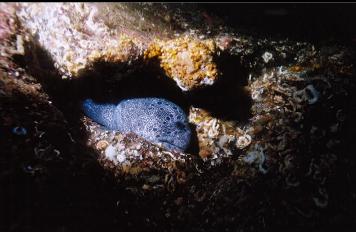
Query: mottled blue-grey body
155	119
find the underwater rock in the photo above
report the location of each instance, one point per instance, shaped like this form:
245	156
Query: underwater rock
218	138
76	36
7	21
157	120
306	156
188	61
80	37
130	155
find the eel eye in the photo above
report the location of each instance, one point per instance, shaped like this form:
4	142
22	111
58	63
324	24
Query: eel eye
180	125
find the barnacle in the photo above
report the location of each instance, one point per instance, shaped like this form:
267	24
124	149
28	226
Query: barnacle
243	141
256	156
217	137
79	39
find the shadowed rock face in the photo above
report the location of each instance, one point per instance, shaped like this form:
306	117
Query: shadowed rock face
79	36
262	147
155	119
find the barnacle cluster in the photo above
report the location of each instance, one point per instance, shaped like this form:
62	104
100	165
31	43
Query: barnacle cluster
128	153
217	138
75	37
186	60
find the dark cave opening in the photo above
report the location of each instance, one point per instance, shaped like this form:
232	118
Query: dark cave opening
104	84
112	82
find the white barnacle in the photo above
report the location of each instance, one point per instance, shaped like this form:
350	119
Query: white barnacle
257	156
110	152
193	114
313	96
309	94
282	70
135	153
267	56
257	94
213	128
121	157
243	141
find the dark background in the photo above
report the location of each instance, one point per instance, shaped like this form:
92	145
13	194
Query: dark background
312	22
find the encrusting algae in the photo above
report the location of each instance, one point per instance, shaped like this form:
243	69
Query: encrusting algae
188	61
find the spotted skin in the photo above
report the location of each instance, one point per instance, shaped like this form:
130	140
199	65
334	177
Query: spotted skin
155	119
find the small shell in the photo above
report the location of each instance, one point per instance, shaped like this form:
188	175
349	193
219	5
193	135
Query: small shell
243	141
102	144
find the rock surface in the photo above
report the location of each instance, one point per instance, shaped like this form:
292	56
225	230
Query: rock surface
273	129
